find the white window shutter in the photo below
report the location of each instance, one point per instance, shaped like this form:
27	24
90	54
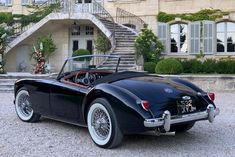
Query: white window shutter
208	37
8	2
194	37
163	35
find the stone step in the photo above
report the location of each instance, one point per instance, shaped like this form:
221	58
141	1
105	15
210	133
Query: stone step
124	33
125	42
7	80
121	62
123	53
125	38
120	68
120	52
4	90
7	86
123	59
131	44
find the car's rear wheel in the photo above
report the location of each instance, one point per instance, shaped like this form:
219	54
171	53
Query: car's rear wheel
182	128
24	108
102	124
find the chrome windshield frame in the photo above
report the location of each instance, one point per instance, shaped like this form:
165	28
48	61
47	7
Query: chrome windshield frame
84	56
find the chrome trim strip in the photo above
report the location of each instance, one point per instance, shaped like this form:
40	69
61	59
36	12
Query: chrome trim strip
167	120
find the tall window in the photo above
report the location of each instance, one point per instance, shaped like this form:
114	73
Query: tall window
226	37
178	34
89	30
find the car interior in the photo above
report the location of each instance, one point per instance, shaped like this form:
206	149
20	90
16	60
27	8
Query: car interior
84	78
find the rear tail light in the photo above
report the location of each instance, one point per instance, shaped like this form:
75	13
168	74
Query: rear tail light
211	96
145	104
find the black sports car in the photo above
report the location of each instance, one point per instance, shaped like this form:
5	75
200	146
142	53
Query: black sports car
111	103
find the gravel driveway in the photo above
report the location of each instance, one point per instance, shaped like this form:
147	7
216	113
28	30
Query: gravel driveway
51	138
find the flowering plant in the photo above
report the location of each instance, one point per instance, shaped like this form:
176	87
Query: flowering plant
5	32
38	56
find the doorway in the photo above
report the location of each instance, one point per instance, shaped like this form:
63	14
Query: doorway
89	46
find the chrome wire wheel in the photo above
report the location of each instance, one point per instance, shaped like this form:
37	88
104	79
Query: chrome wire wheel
99	124
23	106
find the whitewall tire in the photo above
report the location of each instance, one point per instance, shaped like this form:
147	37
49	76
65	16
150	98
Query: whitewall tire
102	124
24	108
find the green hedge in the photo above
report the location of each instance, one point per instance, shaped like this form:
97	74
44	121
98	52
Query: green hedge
169	66
209	66
150	67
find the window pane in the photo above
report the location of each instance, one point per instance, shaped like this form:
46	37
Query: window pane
174	38
221	27
174	48
183	28
183	37
231	47
174	28
220	47
220	37
231	37
184	47
231	27
89	30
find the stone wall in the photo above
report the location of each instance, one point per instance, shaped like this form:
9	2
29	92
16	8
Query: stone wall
210	83
148	9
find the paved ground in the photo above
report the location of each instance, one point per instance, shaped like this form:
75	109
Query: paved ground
51	138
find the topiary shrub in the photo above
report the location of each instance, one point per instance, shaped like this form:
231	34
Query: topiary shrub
150	67
169	66
81	52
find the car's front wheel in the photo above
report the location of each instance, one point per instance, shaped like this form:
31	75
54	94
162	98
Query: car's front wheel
24	108
102	124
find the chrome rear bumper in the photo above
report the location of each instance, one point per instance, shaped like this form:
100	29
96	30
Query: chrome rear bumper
167	120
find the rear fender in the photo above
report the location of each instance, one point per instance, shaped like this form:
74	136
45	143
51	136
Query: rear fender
129	114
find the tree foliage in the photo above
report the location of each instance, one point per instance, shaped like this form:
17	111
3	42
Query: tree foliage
148	46
102	44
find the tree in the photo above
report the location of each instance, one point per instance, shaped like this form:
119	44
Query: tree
148	46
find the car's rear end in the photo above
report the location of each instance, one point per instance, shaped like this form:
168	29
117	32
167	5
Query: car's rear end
169	102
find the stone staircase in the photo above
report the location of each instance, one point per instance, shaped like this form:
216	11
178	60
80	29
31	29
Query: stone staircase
7	84
125	39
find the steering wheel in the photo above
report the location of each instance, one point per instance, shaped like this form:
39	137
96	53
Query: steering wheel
86	80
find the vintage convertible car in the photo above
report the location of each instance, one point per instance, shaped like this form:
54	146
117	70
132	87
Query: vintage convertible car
111	103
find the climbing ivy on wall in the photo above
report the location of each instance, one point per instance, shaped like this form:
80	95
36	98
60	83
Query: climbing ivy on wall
205	14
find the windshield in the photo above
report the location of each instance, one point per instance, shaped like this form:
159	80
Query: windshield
87	62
